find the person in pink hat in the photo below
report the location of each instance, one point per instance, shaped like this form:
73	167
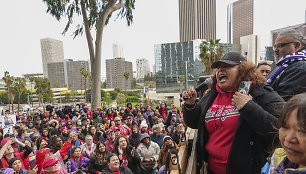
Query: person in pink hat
51	166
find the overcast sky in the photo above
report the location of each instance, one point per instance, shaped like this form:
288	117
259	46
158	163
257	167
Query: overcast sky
25	22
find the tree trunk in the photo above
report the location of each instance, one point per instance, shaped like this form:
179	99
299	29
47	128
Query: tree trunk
9	98
31	95
85	89
12	101
18	103
81	86
96	75
181	87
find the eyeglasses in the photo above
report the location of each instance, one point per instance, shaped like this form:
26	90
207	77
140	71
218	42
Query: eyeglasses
280	45
117	120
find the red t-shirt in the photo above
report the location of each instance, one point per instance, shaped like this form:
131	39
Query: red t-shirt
221	130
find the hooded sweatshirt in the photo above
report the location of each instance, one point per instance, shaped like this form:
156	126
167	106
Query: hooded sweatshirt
221	121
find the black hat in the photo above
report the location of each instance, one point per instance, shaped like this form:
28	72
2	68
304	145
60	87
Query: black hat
232	58
10	163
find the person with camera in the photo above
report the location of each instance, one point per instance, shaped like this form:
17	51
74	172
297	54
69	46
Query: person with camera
77	161
148	152
7	152
235	130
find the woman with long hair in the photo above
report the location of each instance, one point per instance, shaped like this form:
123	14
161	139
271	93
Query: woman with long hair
98	161
127	155
93	132
235	118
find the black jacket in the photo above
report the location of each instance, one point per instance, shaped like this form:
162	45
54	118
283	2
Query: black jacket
123	170
254	133
94	166
133	162
291	81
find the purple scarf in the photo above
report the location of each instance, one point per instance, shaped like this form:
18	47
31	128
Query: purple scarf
280	169
285	61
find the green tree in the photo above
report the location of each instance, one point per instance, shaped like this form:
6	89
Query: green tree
126	76
95	14
104	85
121	98
31	79
210	52
43	90
20	85
113	94
181	79
9	80
56	85
3	97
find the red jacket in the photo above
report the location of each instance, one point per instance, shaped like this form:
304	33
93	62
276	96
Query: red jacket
4	161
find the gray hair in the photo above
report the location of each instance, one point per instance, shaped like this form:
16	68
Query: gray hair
295	35
88	136
156	128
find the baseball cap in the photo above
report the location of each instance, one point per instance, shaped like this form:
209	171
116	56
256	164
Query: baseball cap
231	58
49	162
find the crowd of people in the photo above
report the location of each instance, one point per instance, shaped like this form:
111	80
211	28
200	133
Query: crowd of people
107	140
250	120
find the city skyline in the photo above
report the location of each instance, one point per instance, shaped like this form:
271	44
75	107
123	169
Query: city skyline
155	22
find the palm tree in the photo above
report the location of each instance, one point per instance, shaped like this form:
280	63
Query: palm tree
8	80
181	79
210	52
81	72
126	76
86	75
31	79
20	84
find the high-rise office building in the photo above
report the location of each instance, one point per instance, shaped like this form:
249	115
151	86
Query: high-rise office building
197	19
115	69
250	48
67	74
243	19
117	51
176	59
52	50
143	68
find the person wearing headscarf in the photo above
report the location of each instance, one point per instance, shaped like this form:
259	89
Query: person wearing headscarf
134	138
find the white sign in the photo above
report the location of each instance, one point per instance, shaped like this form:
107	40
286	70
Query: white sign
8	120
